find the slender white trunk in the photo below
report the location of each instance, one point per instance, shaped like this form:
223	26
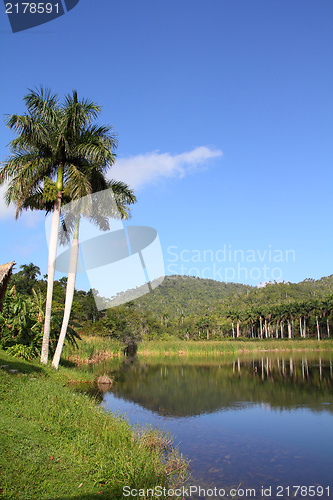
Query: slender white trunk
318	331
69	297
238	330
289	329
328	327
233	329
50	278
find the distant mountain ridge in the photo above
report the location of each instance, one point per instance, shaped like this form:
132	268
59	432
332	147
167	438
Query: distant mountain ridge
194	296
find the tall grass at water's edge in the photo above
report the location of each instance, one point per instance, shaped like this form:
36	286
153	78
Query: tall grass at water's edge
59	445
95	350
232	346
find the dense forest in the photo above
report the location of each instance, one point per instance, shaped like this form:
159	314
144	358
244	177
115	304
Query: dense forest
182	306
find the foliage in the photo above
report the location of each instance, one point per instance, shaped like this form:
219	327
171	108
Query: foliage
21	324
21	351
215	311
58	444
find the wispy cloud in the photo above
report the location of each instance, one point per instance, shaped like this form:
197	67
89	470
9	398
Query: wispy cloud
5	211
140	170
31	219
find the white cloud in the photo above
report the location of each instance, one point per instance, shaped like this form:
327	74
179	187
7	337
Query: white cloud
5	211
31	219
140	170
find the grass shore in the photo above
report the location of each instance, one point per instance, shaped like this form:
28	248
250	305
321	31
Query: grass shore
94	350
58	444
231	346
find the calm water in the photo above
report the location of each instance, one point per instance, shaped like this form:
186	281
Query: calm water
257	422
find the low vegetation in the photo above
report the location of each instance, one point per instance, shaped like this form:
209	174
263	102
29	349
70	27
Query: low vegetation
59	444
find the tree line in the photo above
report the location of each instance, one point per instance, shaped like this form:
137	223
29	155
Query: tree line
252	313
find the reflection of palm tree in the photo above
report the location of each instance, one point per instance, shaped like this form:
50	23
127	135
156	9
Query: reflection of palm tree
54	141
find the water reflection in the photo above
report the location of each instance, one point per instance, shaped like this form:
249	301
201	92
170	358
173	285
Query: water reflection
255	421
282	382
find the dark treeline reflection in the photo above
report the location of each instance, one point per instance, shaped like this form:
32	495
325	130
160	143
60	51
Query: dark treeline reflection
280	381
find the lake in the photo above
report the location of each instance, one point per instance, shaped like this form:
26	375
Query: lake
258	425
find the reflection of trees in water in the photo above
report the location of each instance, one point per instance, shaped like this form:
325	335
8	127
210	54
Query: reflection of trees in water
179	391
289	368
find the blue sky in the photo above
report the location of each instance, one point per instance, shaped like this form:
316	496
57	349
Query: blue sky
223	111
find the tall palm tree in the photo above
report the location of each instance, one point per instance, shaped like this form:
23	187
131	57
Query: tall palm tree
123	196
56	141
326	307
30	271
317	312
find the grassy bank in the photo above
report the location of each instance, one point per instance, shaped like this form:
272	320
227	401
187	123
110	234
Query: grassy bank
230	346
95	350
57	444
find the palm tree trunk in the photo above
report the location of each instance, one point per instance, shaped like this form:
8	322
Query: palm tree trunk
233	329
318	331
50	278
51	265
69	295
238	331
328	327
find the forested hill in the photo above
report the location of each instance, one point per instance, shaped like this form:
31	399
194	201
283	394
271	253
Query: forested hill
196	296
189	295
284	293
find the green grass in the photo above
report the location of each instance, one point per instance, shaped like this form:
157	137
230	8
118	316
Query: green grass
57	444
92	349
230	346
95	350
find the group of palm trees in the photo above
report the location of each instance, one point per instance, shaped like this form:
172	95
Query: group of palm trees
58	157
280	321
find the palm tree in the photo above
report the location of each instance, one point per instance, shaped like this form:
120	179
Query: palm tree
55	141
316	309
123	196
230	314
326	308
251	316
30	271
